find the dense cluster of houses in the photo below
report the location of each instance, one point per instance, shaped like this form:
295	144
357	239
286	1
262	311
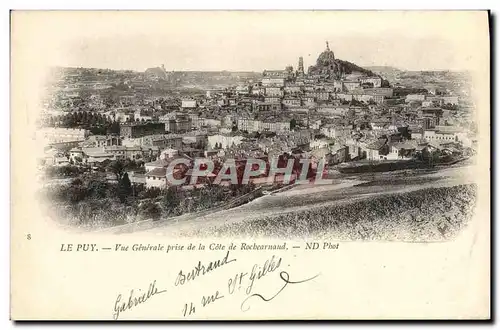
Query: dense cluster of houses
328	112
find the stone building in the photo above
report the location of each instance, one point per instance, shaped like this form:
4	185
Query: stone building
135	130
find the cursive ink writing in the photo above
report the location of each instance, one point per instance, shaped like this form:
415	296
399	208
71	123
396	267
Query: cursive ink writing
260	271
200	270
243	279
205	300
135	299
286	278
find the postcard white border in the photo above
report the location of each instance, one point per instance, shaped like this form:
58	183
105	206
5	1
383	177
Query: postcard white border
146	4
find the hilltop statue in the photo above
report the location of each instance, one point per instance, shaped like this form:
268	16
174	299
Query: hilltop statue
326	65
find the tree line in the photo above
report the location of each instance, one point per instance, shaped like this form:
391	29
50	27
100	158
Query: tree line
97	123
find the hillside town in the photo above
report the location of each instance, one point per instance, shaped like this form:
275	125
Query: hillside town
124	128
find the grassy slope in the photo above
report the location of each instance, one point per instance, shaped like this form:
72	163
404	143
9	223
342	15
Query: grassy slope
423	215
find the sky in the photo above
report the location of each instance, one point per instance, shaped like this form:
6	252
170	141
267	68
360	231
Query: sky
248	40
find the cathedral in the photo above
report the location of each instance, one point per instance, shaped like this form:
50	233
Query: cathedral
327	67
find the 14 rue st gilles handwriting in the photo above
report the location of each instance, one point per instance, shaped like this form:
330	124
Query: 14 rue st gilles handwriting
244	281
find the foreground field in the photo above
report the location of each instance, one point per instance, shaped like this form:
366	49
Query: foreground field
424	215
411	205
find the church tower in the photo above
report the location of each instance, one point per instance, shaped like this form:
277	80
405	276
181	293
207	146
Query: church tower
300	67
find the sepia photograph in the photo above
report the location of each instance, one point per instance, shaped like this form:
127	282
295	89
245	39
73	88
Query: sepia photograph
315	145
250	131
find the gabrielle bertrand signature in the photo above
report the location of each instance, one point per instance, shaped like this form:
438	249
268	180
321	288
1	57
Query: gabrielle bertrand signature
135	298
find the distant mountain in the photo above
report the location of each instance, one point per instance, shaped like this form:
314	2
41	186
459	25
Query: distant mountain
202	79
384	69
158	72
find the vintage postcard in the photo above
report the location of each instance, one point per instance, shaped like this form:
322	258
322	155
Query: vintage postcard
250	165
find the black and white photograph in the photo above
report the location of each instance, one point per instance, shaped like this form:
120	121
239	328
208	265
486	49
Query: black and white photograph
317	145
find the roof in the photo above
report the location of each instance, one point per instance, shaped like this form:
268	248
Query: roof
165	163
324	140
380	121
190	172
435	145
444	132
101	155
320	153
98	137
152	148
427	109
132	148
405	145
158	163
452	149
96	151
169	150
61	159
375	145
337	148
158	172
115	148
189	149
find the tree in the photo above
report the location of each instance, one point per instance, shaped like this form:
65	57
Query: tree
151	192
124	187
139	164
129	164
113	128
118	168
356	102
76	182
97	188
171	198
429	156
449	106
150	209
293	123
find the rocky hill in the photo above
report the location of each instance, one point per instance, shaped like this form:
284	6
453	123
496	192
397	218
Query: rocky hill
349	67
